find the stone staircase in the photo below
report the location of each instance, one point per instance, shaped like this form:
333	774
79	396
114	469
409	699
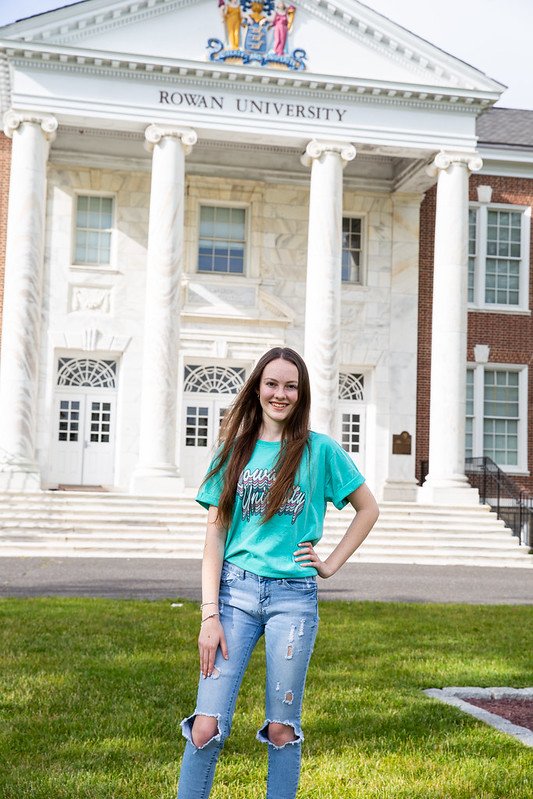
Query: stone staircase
98	524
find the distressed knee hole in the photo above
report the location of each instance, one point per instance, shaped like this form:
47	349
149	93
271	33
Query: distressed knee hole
290	650
204	729
215	674
281	734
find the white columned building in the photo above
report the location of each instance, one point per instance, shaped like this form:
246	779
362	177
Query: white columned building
21	325
156	472
167	275
323	282
446	481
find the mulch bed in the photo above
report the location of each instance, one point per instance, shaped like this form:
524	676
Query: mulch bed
518	711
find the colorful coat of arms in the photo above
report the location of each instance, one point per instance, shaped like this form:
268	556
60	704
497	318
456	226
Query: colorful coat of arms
257	31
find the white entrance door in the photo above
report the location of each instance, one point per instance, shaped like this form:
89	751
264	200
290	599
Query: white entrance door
83	424
208	390
352	416
351	431
84	439
201	425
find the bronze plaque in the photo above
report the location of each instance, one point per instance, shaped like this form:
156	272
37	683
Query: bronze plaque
401	444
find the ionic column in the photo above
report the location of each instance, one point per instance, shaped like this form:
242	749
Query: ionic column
157	472
324	275
19	358
446	481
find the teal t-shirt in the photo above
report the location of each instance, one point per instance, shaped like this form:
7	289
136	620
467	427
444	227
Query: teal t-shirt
326	474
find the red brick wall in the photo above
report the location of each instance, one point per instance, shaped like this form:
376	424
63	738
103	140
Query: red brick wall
510	337
5	162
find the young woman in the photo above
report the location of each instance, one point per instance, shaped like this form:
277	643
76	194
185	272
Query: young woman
266	494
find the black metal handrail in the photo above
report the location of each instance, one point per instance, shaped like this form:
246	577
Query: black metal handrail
497	489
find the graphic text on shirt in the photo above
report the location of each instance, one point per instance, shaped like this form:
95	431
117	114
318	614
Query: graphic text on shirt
253	488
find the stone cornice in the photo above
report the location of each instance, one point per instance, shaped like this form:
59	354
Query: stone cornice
74	24
323	87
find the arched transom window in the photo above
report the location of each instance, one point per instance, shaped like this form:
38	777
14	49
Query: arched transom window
213	379
351	386
86	372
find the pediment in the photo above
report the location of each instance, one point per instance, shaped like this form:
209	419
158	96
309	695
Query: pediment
342	38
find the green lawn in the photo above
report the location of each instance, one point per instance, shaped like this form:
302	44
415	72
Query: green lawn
92	692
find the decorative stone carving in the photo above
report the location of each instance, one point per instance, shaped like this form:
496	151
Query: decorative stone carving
484	194
88	298
316	149
481	353
444	160
154	133
90	339
13	120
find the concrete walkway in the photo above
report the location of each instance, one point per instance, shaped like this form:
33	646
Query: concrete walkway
150	578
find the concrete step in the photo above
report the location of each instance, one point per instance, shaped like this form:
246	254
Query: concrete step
173	521
103	524
150	533
378	538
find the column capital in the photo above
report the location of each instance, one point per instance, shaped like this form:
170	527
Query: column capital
13	120
154	133
315	149
443	160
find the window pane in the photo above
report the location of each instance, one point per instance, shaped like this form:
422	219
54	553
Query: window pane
222	239
94	220
351	250
504	252
501	410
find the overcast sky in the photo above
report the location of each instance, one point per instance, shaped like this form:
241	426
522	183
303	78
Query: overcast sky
492	35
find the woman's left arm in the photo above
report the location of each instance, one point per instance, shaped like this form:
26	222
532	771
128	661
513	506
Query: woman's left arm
366	515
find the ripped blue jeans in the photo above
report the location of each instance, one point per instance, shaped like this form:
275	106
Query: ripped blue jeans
285	611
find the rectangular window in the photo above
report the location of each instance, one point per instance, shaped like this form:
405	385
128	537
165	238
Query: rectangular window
222	242
502	265
498	257
351	250
472	235
94	222
496	410
469	446
500	417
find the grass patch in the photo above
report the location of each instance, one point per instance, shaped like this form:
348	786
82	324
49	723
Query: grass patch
92	692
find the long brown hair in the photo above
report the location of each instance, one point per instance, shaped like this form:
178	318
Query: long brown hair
240	431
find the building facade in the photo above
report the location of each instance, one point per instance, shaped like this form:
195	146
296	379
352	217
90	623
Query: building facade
187	192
